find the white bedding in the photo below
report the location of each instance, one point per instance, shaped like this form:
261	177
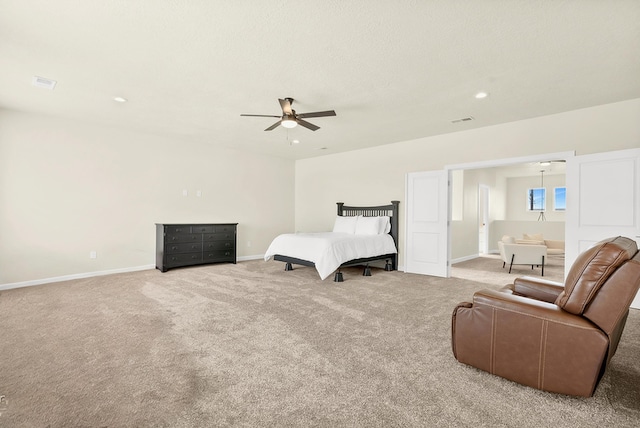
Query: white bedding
328	250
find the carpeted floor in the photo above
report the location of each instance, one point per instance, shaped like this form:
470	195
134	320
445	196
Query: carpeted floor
488	269
250	345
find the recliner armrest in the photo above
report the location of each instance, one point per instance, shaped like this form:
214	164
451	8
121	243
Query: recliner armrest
526	306
536	288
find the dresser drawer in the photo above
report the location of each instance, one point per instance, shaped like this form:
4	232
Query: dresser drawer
225	228
219	255
190	237
219	245
202	228
172	230
173	260
190	247
222	236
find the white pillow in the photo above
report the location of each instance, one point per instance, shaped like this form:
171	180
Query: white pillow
368	226
385	224
345	224
532	236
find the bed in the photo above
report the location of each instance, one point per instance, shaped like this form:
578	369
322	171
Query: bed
361	235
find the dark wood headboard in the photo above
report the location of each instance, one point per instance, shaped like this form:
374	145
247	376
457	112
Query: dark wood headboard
390	210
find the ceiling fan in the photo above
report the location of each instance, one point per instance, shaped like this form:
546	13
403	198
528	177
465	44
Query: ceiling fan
290	119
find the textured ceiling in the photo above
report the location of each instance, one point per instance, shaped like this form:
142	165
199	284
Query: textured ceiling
392	70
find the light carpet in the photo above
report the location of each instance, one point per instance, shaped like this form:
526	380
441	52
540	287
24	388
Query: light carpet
250	345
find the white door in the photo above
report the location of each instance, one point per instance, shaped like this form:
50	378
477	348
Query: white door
483	219
603	200
426	241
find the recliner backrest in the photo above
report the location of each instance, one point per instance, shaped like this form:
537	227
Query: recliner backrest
591	269
609	308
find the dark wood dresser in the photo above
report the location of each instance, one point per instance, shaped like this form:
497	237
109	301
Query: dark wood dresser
180	245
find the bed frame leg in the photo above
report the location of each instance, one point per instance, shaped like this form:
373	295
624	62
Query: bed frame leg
338	277
367	271
388	266
288	267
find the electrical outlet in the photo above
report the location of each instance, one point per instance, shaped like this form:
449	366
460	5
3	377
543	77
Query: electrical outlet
248	243
93	255
185	192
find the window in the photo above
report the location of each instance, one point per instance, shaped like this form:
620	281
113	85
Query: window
536	199
560	199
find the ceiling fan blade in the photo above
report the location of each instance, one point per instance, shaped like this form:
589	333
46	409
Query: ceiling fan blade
286	105
274	126
318	114
259	115
306	124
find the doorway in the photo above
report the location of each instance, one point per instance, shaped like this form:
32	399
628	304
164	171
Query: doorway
439	254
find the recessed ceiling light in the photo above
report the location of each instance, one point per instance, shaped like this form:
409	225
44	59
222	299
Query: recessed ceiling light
120	99
296	141
481	95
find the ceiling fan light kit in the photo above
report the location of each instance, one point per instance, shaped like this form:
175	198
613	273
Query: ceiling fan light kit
289	122
290	119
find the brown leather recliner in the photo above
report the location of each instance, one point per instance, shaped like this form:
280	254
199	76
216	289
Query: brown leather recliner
549	336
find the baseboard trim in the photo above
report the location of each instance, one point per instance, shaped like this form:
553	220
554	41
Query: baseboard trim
247	258
464	259
9	286
74	276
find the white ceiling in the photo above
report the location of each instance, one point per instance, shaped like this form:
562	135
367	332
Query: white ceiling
530	169
392	70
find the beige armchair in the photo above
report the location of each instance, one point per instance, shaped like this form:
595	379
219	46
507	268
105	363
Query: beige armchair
522	254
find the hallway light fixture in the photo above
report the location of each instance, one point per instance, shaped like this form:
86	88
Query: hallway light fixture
541	216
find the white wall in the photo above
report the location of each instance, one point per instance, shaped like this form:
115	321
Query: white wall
517	200
377	175
67	189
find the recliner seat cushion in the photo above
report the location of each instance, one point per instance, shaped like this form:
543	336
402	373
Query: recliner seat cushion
591	269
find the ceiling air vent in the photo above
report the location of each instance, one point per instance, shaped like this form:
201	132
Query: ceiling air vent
463	119
43	82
